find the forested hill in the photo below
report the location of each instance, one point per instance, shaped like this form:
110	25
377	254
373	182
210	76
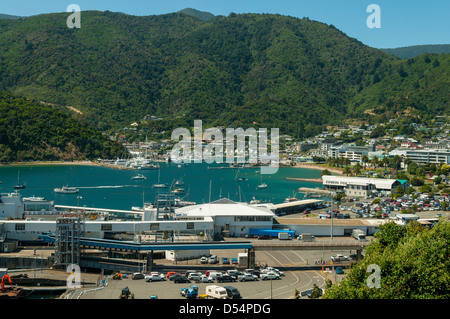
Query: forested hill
33	131
258	70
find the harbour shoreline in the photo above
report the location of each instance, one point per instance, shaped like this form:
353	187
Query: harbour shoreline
319	167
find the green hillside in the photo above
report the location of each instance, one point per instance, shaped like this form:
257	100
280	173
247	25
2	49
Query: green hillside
415	50
33	131
258	70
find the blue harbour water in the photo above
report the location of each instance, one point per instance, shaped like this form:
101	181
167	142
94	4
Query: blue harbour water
110	188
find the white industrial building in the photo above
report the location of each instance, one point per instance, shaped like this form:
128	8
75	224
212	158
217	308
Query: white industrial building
230	218
359	186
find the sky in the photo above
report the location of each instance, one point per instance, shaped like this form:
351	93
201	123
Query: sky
401	22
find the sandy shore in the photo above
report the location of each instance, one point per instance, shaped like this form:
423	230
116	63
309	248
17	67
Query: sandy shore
320	167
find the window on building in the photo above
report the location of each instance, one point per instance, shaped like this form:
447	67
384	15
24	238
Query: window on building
189	225
154	226
20	226
106	227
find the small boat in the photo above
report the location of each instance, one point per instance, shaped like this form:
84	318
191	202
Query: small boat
164	185
18	185
139	176
178	191
241	179
179	183
262	186
66	190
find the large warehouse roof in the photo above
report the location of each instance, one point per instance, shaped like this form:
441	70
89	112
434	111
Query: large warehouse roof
223	207
380	183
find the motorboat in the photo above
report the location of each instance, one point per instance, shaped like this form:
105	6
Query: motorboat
178	191
66	190
139	177
262	186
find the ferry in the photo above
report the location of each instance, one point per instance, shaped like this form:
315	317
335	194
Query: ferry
66	190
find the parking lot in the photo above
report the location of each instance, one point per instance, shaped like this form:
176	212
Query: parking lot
291	263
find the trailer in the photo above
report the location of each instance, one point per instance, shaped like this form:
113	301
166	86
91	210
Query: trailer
253	232
177	255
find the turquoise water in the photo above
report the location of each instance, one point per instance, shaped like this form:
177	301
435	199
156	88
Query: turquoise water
103	187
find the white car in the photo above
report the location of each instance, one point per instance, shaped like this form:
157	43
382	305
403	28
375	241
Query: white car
275	270
204	278
154	277
339	257
269	275
195	276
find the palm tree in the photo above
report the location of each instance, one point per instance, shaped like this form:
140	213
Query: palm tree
347	171
365	160
375	161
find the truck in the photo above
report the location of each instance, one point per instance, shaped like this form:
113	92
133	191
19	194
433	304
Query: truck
191	292
253	232
284	236
358	234
306	237
178	255
216	292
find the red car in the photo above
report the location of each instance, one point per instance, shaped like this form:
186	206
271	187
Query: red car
264	237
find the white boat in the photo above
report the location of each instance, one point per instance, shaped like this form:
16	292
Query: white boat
261	186
178	191
160	185
164	185
179	183
139	176
66	190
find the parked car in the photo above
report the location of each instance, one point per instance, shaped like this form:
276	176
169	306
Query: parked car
225	261
248	277
204	278
225	278
170	274
270	275
137	275
154	277
194	276
339	271
264	237
180	279
234	261
203	260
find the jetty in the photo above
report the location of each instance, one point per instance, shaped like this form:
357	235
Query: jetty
314	180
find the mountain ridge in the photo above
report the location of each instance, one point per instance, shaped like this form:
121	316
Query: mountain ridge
241	70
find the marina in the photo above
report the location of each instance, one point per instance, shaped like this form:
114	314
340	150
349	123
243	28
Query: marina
105	187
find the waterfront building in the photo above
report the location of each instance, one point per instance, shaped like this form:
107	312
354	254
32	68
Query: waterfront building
359	186
230	218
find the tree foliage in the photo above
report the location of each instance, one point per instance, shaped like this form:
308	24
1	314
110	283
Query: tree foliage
33	131
413	260
244	70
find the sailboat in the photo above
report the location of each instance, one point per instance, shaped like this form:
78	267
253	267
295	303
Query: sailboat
160	185
262	185
18	185
239	178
